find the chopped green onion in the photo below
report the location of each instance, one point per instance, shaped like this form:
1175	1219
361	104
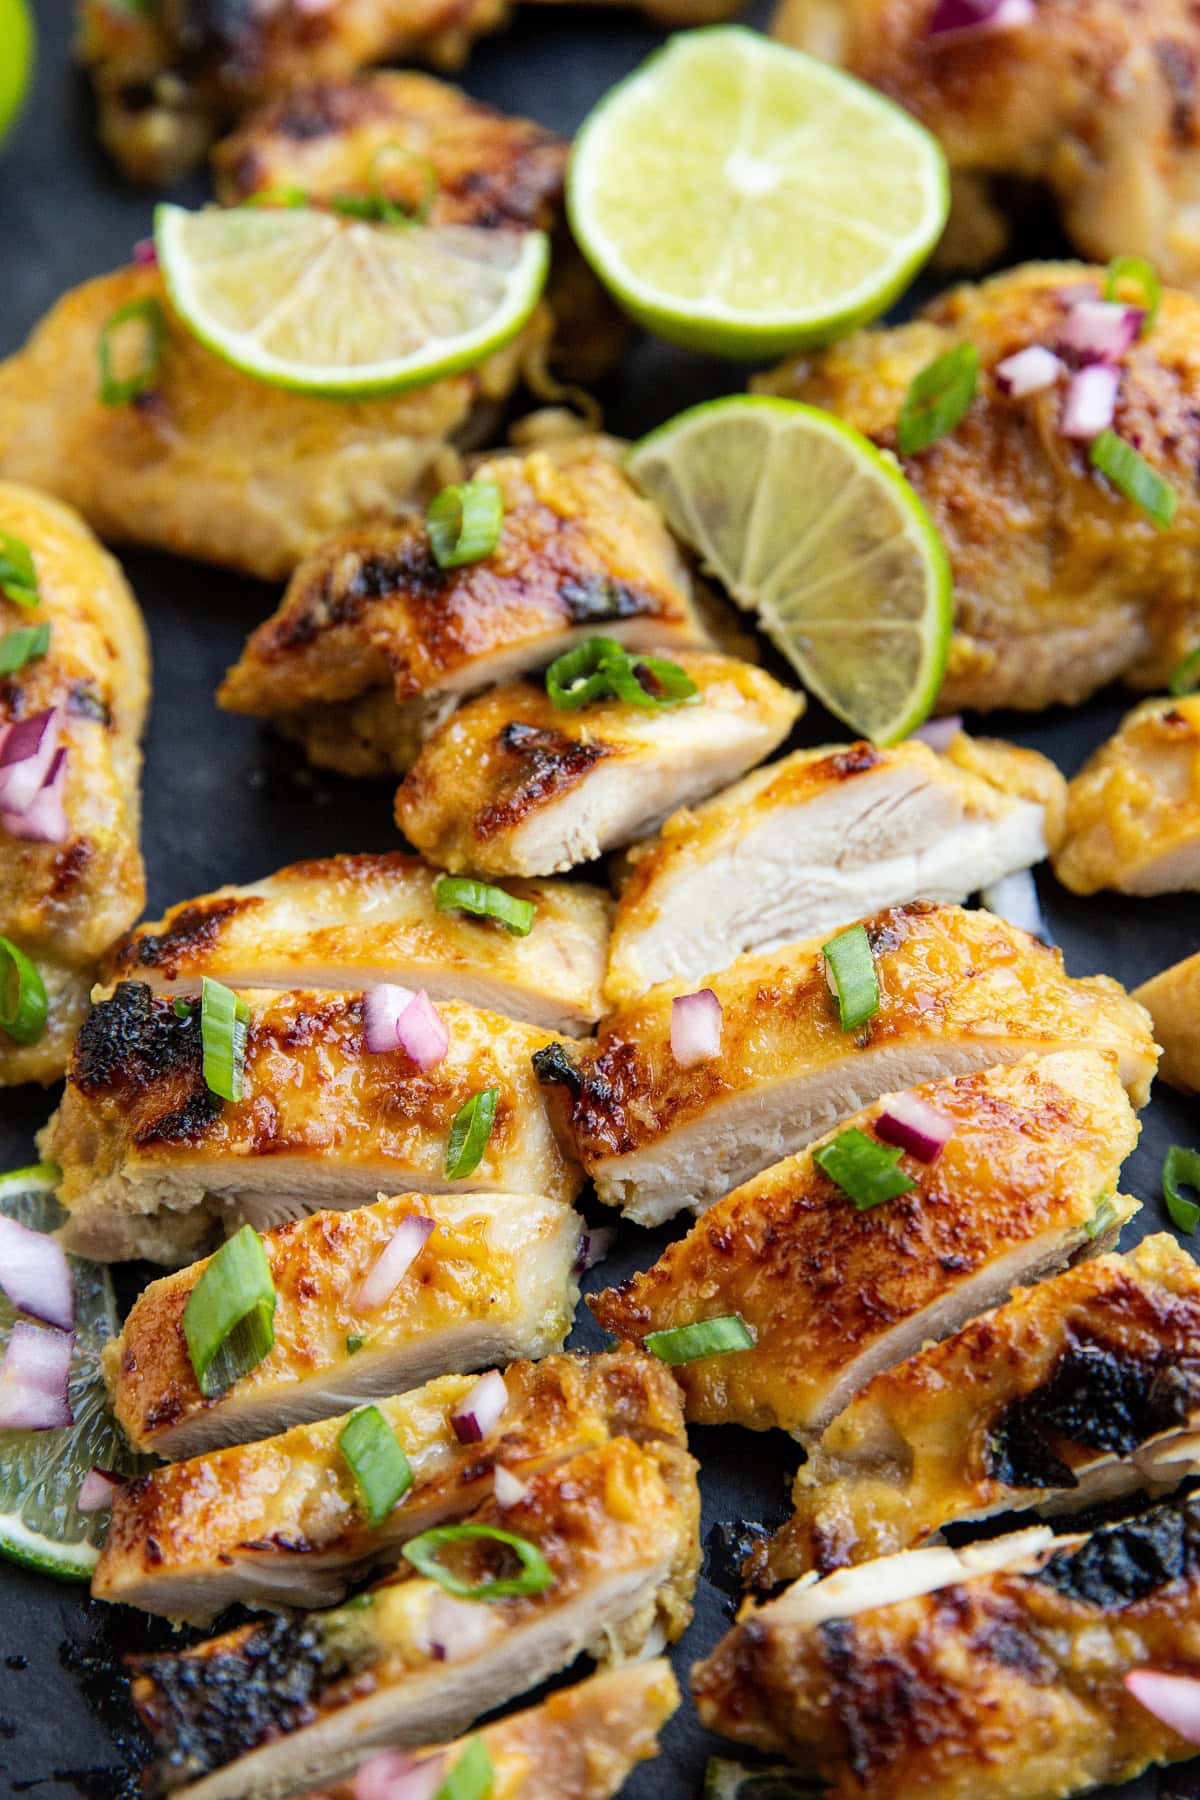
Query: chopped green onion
390	211
464	523
24	645
1144	275
1133	476
229	1320
1102	1218
469	1133
1180	1170
535	1577
707	1337
354	1345
850	973
183	1009
937	399
18	577
459	893
864	1170
1185	677
23	1005
292	197
224	1026
382	1473
471	1777
602	669
118	390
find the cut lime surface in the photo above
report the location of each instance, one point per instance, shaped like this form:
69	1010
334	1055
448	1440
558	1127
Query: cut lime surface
740	197
16	58
810	527
313	301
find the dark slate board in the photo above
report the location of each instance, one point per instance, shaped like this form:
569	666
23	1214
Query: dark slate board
226	802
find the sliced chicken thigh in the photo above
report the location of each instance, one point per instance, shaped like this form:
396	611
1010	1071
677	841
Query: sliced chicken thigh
1133	811
1173	1001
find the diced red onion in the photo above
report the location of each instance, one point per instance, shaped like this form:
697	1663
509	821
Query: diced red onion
44	820
1090	401
33	1379
1100	331
422	1032
98	1490
916	1126
508	1488
695	1027
35	1275
1028	371
480	1409
382	1007
402	1250
145	253
397	1776
594	1246
939	734
27	752
1173	1699
1015	898
961	19
454	1628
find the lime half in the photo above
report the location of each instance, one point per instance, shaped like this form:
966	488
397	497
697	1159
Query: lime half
743	198
41	1471
313	301
16	58
809	526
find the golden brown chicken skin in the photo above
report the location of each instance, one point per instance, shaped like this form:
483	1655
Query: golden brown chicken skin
63	903
1172	999
1061	585
1133	811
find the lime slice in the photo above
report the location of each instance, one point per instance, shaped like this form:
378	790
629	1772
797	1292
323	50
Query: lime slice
743	198
16	58
314	301
810	527
725	1779
41	1471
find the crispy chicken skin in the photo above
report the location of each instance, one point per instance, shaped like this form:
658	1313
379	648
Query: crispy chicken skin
1074	1392
830	834
373	643
1133	811
987	1683
513	785
1061	585
496	1279
958	991
618	1527
1173	1001
281	1522
347	920
833	1294
63	904
151	1158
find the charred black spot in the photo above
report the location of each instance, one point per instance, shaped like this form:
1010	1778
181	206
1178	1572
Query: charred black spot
136	96
85	701
194	929
1123	1563
553	1067
1005	1642
884	1706
598	597
857	760
726	1549
347	585
133	1042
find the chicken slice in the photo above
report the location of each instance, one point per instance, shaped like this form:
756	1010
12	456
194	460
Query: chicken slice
1060	584
824	836
152	1158
278	1707
63	903
1076	1392
373	644
958	991
513	785
280	1522
341	920
833	1294
580	1744
1173	1001
497	1278
995	1672
1133	811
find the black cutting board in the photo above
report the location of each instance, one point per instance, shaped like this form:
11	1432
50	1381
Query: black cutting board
224	801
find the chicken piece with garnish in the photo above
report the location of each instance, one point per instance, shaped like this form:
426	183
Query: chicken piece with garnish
1133	811
823	836
281	1523
1172	999
1061	583
1075	1393
528	780
599	1554
153	1158
681	1098
1010	1670
374	643
74	688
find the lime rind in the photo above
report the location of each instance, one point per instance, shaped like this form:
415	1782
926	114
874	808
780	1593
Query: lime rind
18	44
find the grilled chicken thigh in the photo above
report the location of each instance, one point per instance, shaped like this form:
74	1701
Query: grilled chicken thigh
1076	1391
958	991
341	920
67	892
152	1158
994	1672
1133	811
1173	1001
374	644
832	1294
618	1528
821	837
513	785
1061	585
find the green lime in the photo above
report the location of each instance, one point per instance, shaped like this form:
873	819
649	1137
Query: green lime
743	198
810	527
327	304
16	58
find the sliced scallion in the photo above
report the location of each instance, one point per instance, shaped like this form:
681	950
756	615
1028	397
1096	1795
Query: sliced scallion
291	197
229	1320
1144	277
18	577
224	1026
472	1776
602	669
382	1473
147	316
392	212
937	399
459	893
1182	1169
865	1171
464	523
24	645
850	972
1134	477
469	1133
23	1003
1185	677
354	1345
535	1577
707	1337
1102	1218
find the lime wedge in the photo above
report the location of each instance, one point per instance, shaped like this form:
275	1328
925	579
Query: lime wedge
809	526
16	58
41	1471
743	198
324	304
